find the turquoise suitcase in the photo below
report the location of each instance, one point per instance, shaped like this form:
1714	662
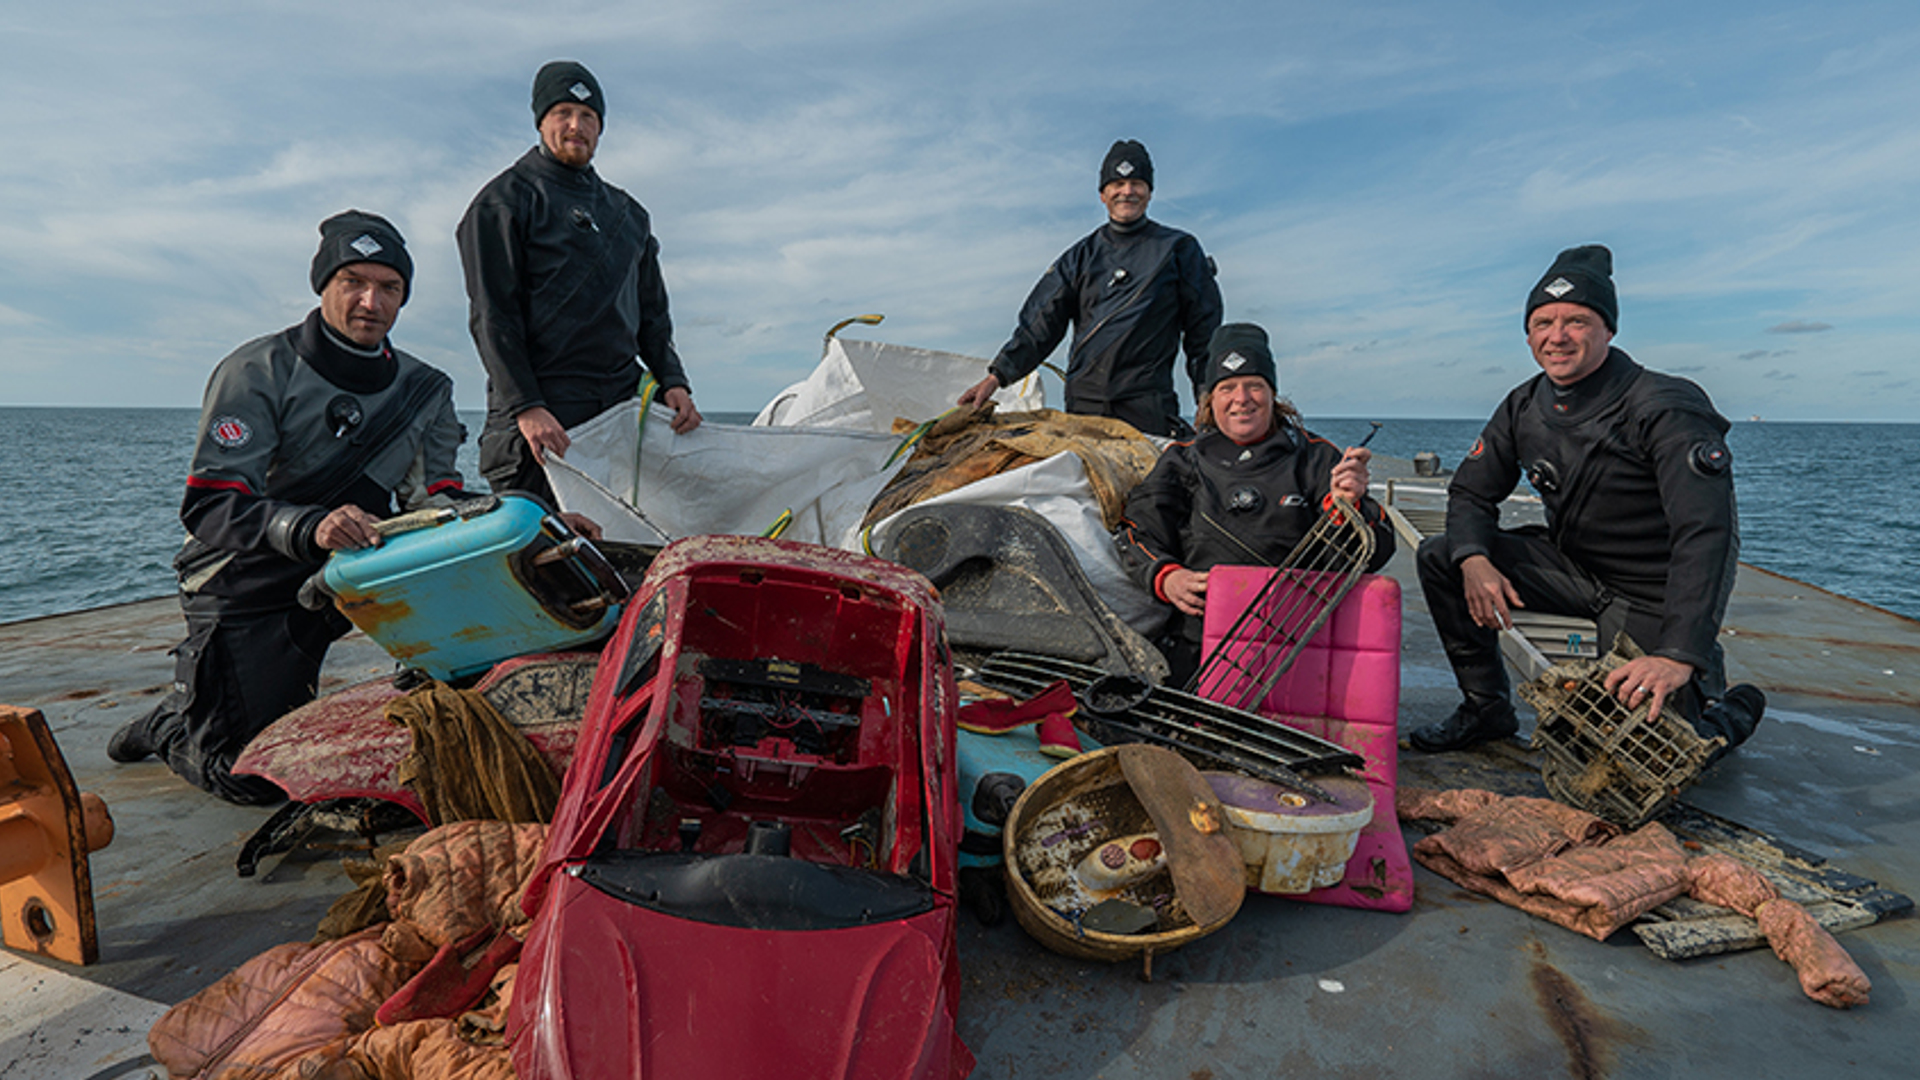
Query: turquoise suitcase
455	592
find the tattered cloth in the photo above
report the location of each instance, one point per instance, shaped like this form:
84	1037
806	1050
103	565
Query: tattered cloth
469	762
964	446
308	1010
1574	869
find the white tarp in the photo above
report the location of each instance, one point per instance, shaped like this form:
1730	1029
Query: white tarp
1057	489
866	385
821	449
720	478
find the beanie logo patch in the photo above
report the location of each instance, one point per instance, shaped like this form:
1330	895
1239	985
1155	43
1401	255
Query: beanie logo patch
230	432
580	91
1233	361
1558	288
366	245
1125	168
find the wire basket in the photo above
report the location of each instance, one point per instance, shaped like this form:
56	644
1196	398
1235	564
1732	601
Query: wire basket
1285	614
1603	757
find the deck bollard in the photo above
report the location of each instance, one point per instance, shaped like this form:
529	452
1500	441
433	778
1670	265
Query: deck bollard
47	829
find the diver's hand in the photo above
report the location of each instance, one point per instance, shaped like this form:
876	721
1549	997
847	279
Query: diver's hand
346	528
685	416
1186	590
979	394
1649	679
543	433
1490	596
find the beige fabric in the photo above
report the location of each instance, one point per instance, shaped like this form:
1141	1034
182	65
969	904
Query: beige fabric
469	762
963	446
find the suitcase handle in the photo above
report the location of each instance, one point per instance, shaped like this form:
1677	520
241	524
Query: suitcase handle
579	553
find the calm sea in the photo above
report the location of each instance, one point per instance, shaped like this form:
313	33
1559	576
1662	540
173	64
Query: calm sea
89	500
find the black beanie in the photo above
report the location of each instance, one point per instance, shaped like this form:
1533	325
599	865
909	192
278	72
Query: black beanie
1239	349
354	236
566	80
1127	160
1581	275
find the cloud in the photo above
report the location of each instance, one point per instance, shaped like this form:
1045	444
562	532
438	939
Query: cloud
1380	184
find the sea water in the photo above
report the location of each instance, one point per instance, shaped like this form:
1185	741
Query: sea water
90	498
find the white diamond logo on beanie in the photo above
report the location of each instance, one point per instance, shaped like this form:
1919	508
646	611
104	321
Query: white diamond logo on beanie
1560	287
1125	168
580	90
366	245
1233	361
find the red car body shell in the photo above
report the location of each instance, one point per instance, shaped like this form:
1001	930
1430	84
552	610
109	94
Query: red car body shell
621	984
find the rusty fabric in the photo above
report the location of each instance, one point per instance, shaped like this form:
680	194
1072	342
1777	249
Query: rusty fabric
301	1010
964	446
1827	973
1729	883
1564	865
366	905
292	1003
455	980
1591	891
424	1050
486	1024
1417	803
1593	881
1506	834
463	877
469	762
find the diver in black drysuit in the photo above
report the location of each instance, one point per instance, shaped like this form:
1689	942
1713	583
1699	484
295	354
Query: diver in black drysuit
1213	502
1642	533
294	426
1134	293
564	289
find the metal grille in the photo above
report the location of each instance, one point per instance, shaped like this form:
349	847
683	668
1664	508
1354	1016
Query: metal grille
1118	709
1285	614
1604	758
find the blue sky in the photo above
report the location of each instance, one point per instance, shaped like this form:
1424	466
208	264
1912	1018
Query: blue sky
1380	184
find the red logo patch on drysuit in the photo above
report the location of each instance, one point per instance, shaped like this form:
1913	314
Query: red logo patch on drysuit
1479	445
230	432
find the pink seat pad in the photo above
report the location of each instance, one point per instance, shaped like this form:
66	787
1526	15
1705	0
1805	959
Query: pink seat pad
1344	687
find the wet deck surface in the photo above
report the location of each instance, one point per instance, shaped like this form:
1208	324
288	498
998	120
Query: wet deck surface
1460	986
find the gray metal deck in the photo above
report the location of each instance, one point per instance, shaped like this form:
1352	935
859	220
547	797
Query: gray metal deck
1460	986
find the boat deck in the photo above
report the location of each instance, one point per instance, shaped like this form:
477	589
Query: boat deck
1459	986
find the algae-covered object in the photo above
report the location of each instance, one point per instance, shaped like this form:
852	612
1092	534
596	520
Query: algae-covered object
1122	794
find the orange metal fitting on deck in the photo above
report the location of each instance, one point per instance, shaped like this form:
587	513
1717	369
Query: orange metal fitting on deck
47	828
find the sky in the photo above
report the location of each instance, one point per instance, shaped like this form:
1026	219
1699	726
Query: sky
1380	184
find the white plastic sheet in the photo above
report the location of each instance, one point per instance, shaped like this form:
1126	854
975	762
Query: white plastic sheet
642	481
821	450
866	385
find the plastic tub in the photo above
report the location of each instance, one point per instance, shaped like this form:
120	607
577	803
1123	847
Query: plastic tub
1289	842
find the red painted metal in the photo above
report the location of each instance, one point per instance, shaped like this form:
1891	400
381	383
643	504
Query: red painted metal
342	746
611	987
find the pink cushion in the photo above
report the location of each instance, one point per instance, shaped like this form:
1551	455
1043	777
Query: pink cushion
1344	687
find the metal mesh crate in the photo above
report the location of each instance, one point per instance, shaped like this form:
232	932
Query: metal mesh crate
1604	758
1288	611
